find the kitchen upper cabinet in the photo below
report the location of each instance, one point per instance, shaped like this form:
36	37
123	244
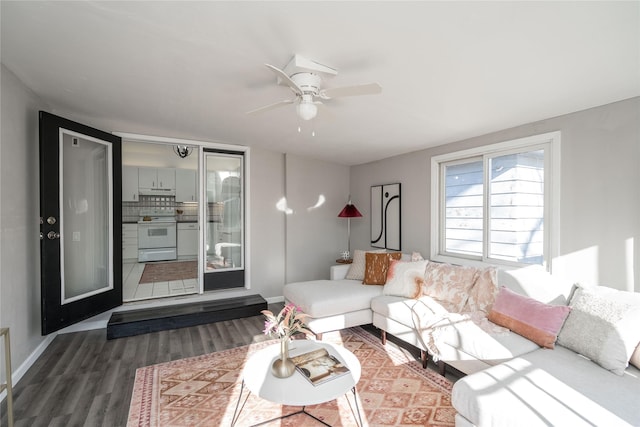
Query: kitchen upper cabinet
130	184
156	179
186	185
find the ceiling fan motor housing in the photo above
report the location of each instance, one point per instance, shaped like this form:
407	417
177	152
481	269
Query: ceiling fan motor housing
307	82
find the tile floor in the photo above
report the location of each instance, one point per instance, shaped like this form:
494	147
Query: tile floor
133	291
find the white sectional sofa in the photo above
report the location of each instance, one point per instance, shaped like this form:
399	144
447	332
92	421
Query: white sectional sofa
333	304
511	380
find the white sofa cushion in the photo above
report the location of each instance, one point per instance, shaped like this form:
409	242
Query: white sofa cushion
549	387
323	298
536	283
467	336
407	311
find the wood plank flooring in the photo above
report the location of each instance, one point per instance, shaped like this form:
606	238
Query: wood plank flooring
82	379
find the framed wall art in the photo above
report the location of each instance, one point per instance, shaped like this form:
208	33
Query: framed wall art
385	216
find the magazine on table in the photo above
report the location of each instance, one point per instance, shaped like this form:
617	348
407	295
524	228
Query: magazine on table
318	366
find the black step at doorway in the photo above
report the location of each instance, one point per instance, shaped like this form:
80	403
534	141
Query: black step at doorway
142	321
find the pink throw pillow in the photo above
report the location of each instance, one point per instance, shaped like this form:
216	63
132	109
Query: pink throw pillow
534	320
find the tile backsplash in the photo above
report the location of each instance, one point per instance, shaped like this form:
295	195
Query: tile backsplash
132	211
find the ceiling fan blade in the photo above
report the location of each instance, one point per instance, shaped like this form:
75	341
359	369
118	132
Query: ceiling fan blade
367	89
272	106
285	78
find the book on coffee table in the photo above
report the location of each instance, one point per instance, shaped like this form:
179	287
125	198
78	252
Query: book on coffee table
318	366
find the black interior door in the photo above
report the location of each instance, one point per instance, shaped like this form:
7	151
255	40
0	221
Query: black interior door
81	221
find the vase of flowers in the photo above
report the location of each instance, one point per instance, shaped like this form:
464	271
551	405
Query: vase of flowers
288	322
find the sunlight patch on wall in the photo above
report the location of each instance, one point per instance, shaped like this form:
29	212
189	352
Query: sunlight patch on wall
579	266
282	206
320	202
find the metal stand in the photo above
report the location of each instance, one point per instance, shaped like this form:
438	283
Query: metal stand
7	373
240	407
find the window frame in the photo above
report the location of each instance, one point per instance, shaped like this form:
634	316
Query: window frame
550	143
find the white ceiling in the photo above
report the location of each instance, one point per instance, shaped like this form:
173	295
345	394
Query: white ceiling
449	70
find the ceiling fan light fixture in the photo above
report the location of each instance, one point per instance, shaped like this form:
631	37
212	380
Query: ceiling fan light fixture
307	110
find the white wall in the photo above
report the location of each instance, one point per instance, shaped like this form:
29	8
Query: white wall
19	217
599	197
315	235
267	223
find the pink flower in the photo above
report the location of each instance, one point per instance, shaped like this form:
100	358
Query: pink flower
288	322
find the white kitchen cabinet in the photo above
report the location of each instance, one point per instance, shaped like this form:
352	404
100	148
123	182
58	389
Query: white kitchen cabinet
186	186
156	179
167	178
130	242
130	184
187	240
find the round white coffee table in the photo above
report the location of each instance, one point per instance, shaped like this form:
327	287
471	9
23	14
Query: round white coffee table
297	390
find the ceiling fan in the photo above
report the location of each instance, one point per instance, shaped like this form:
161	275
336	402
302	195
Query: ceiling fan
304	77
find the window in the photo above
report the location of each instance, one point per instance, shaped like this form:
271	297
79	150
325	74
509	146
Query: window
494	203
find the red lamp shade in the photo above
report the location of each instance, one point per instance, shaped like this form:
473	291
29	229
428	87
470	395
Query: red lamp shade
349	211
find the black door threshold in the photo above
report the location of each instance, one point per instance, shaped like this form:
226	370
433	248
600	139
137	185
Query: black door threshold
142	321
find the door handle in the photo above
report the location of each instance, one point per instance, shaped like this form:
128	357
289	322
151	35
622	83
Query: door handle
52	235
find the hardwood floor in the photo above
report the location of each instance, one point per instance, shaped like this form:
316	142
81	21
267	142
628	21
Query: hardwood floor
84	380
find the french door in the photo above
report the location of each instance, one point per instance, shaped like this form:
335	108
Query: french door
81	224
225	220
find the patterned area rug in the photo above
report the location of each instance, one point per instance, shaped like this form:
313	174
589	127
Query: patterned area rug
394	390
167	271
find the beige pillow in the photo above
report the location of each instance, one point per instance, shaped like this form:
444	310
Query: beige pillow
405	279
483	293
376	267
356	269
635	357
449	284
603	326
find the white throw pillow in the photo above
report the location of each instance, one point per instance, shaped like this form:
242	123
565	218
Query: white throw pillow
603	326
357	267
405	279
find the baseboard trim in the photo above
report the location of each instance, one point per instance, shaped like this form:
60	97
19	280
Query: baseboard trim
29	361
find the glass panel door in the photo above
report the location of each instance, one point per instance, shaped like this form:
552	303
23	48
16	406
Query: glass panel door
86	224
80	235
224	241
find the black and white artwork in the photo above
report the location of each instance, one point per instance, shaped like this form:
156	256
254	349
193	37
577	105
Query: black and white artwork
385	216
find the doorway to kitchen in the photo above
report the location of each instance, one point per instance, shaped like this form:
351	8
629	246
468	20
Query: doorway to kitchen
160	220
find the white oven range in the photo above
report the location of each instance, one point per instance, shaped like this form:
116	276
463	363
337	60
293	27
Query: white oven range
157	238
